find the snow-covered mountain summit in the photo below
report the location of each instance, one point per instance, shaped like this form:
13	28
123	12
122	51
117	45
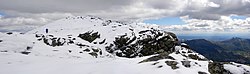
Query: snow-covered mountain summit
92	45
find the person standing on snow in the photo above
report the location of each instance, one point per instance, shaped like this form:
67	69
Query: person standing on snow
46	30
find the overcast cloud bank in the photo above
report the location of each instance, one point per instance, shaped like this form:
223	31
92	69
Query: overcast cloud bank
200	15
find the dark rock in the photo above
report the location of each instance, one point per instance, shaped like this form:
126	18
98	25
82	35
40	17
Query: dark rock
131	29
9	33
51	35
102	41
89	36
55	50
38	35
56	41
82	45
114	26
95	50
40	39
186	63
25	52
217	68
94	54
106	23
28	48
177	52
148	43
160	66
172	64
173	36
196	57
202	72
69	51
155	63
71	41
189	51
238	65
4	51
100	52
86	50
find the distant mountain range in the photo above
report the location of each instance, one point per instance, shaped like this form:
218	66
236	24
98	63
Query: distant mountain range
211	37
234	49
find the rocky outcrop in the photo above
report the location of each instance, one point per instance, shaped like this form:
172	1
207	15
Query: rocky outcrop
89	36
172	64
148	42
217	68
51	40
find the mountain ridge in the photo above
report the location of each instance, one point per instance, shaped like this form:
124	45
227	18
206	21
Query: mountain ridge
231	48
86	44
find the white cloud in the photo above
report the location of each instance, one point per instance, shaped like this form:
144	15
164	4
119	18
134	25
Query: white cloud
135	9
224	25
40	12
212	4
28	21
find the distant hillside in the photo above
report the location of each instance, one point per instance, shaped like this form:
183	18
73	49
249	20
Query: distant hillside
235	44
215	52
213	38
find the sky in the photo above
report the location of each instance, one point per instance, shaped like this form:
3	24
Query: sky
166	21
185	17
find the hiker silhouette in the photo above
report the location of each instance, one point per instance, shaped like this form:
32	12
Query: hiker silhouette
46	30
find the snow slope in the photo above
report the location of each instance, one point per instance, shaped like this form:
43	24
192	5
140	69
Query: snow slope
63	51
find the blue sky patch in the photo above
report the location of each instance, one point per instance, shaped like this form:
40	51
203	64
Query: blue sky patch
2	14
166	21
238	17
